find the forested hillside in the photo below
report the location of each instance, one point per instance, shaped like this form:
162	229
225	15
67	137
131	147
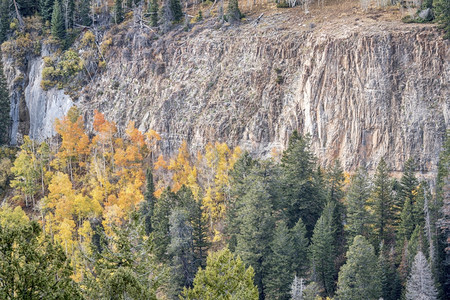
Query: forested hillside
97	206
105	218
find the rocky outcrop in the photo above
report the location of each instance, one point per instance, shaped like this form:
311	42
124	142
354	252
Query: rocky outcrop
362	89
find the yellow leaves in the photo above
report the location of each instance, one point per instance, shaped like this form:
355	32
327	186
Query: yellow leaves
160	163
136	137
10	217
183	172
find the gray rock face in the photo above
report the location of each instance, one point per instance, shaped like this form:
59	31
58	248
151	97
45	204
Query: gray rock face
361	93
426	14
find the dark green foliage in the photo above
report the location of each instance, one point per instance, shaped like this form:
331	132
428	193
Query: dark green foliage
148	206
199	234
358	216
154	13
27	7
280	263
358	278
442	13
70	13
256	222
177	11
58	27
181	249
383	205
84	8
322	251
390	281
118	11
300	259
233	13
47	9
300	190
32	267
4	107
160	223
4	19
122	269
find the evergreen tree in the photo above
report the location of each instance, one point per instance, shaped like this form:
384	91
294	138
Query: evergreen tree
148	206
4	107
224	277
85	7
47	9
390	281
358	216
300	192
408	181
118	11
442	12
383	204
280	263
358	278
160	223
31	266
233	13
154	13
256	224
4	19
58	29
421	284
177	11
407	223
322	250
300	256
199	234
70	13
181	250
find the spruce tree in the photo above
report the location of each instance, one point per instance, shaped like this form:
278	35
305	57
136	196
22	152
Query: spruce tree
300	259
177	11
181	250
358	216
160	223
47	9
4	19
358	278
322	250
4	107
70	14
58	27
280	263
154	13
148	206
390	281
118	11
85	8
383	204
299	186
199	234
233	13
420	283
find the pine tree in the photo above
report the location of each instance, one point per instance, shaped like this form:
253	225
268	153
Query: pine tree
70	13
47	9
199	234
407	223
358	278
358	217
148	206
300	259
224	277
233	13
256	224
181	250
85	8
177	11
280	263
4	19
322	250
300	192
154	13
421	284
390	281
160	223
4	107
58	29
383	204
118	11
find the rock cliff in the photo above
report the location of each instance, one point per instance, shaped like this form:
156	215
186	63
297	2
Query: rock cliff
363	88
